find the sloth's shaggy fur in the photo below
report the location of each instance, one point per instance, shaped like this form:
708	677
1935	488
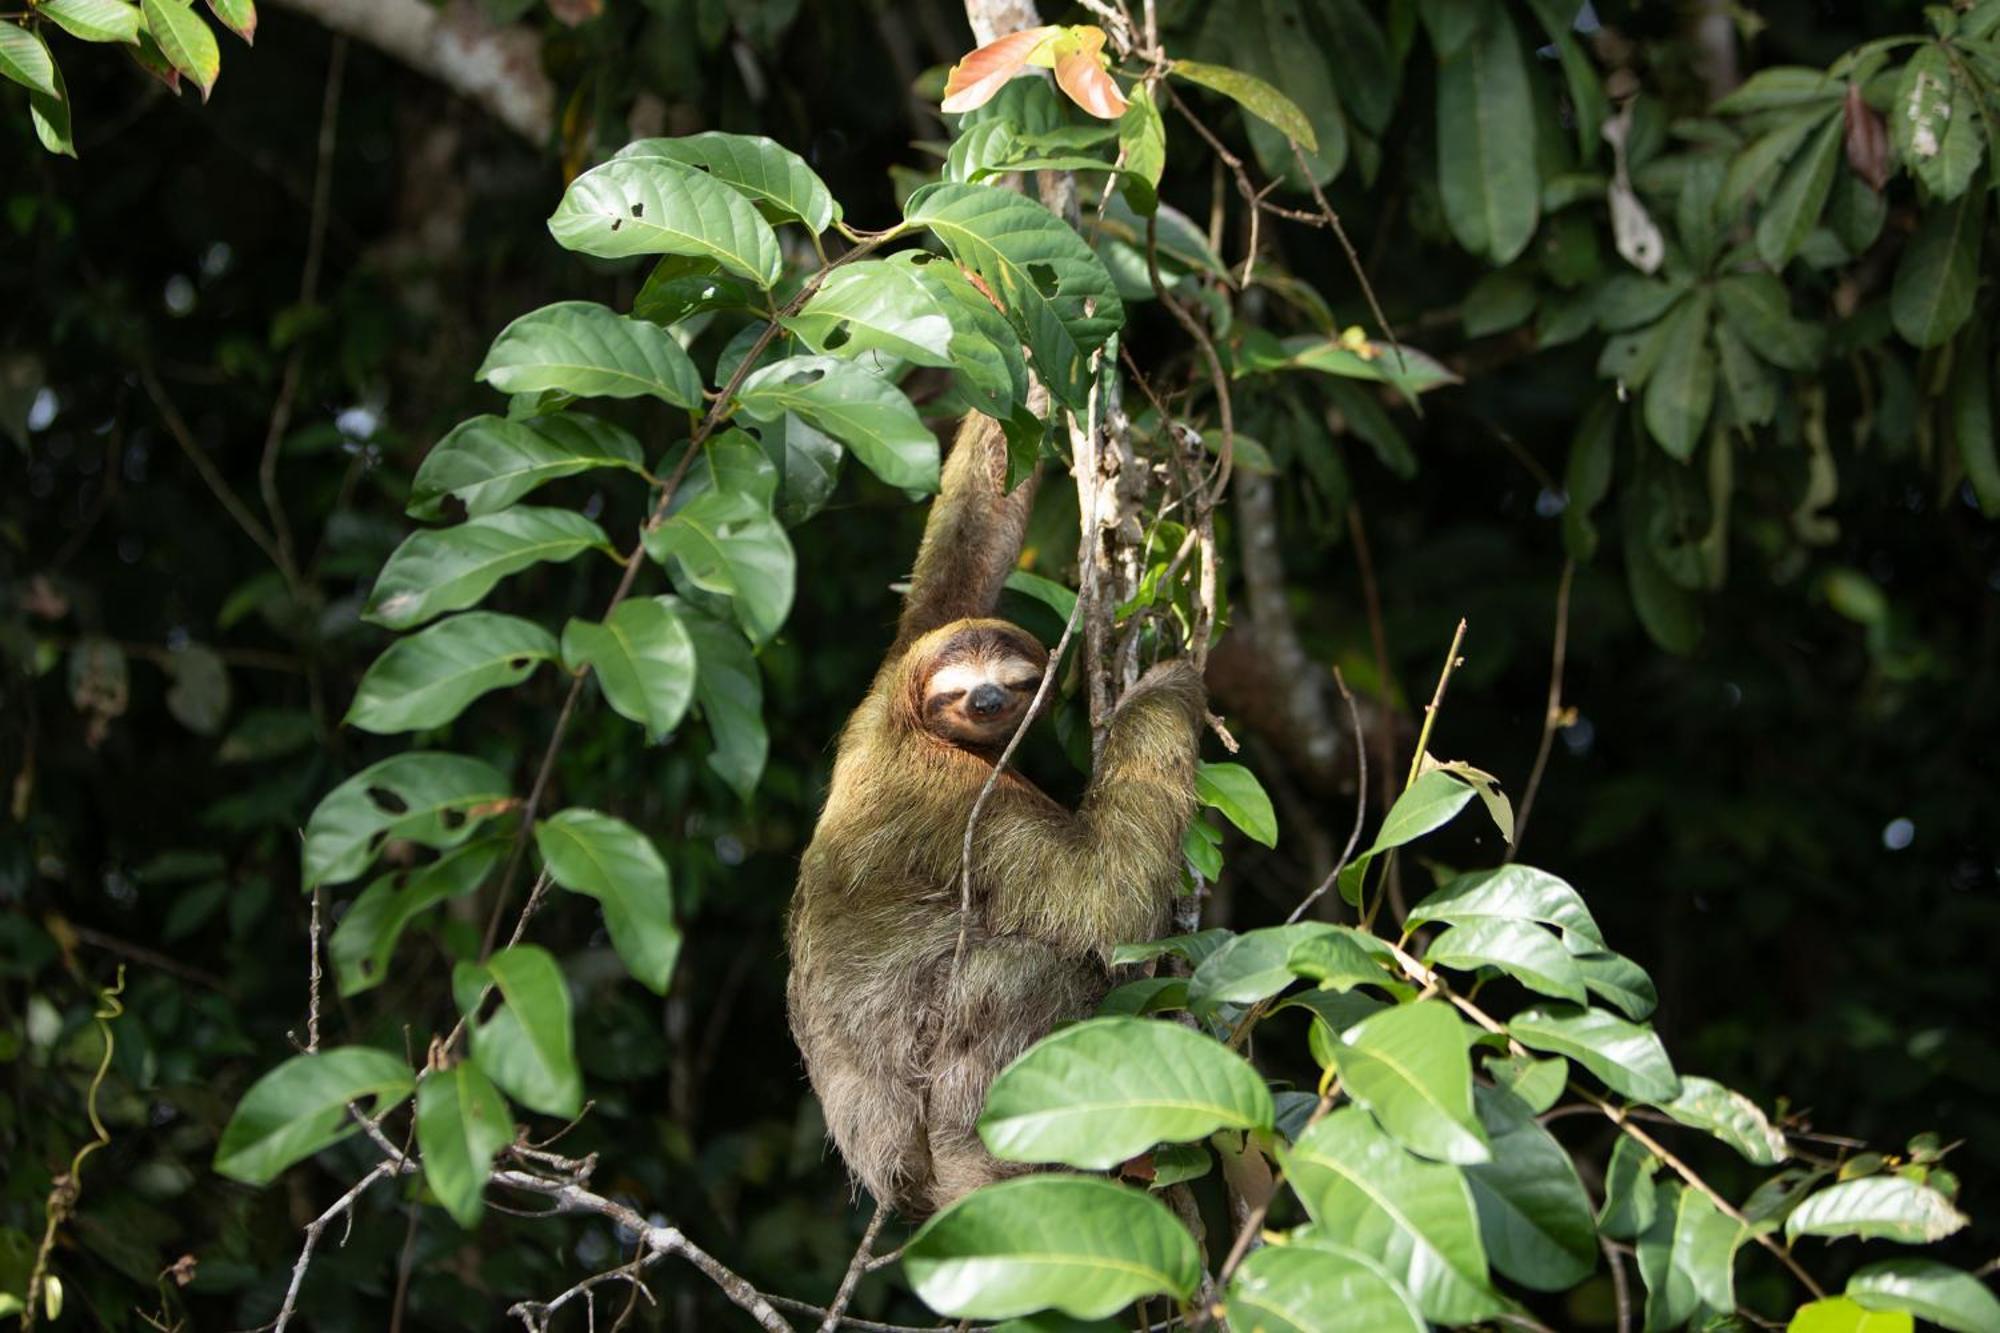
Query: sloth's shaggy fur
899	1049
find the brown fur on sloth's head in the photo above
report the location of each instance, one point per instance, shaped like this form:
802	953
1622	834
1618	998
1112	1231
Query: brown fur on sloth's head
968	683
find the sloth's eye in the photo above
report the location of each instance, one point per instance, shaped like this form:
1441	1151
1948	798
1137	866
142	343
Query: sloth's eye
1024	686
946	697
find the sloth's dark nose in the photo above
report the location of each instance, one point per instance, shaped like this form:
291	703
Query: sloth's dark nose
985	701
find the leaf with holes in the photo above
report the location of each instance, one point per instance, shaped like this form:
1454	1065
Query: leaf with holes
1099	1092
730	690
365	940
643	658
1408	1065
609	860
1316	1286
448	569
729	544
1627	1056
439	800
592	351
526	1045
654	206
1050	283
94	20
185	41
428	678
1431	802
861	410
1083	1246
876	306
1729	1116
462	1124
772	177
489	462
301	1107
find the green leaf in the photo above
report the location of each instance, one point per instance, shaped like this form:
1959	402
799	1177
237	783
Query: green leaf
1617	980
1729	1116
1453	24
1052	286
653	206
199	696
1142	143
774	178
1588	476
1270	39
1626	1056
462	1124
1586	91
1972	419
732	462
583	348
1319	1288
427	679
730	690
863	411
1688	1259
1195	948
1417	1217
1048	592
50	114
1759	308
1254	95
1339	958
1534	1216
1535	1084
1432	801
448	569
185	41
1938	275
1513	892
591	853
1876	1207
1176	1162
365	940
808	463
93	20
876	306
1521	949
439	800
729	544
1486	145
25	59
1235	791
1406	368
1838	1314
1409	1066
525	1046
644	660
301	1107
1631	1197
985	350
1680	392
1103	1091
239	16
1245	968
1147	995
490	462
1931	1290
1934	123
681	285
1795	206
1781	87
1083	1246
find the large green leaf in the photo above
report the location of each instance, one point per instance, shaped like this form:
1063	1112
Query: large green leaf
772	177
1934	1291
1730	1117
1838	1314
448	569
490	462
1235	791
985	349
1938	275
1100	1092
239	16
1307	1287
1934	122
1053	287
1254	95
1631	1196
1587	106
363	943
1687	1258
592	351
1513	892
644	660
1142	146
438	800
526	1045
1270	39
1416	1217
1884	1207
1252	966
1433	801
876	306
49	113
1615	979
25	59
1409	1066
1759	308
1083	1246
427	679
1795	206
1521	949
654	206
1486	144
863	411
609	860
727	543
730	690
1534	1216
1627	1056
301	1107
185	41
94	20
1680	391
462	1124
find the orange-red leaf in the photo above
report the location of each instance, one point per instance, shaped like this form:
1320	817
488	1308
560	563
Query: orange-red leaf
974	80
1080	73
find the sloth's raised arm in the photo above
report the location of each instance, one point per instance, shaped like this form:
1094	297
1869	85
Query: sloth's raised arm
973	536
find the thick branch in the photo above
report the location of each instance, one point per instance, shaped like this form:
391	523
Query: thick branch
497	67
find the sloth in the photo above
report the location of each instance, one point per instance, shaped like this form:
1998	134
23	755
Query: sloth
902	1035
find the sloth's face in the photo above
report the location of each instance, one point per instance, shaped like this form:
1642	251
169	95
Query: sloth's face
980	684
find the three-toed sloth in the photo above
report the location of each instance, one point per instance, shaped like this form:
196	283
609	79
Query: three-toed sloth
899	1040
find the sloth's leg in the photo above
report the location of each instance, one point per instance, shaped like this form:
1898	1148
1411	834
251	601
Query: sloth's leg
878	1125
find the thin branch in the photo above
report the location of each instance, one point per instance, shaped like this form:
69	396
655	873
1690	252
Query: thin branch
1360	802
218	486
1452	661
1621	1286
855	1268
869	1325
339	1208
1552	717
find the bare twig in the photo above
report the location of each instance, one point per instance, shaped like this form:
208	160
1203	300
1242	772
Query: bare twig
1360	802
855	1268
313	976
218	486
336	1210
866	1325
1621	1287
1552	717
1452	661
